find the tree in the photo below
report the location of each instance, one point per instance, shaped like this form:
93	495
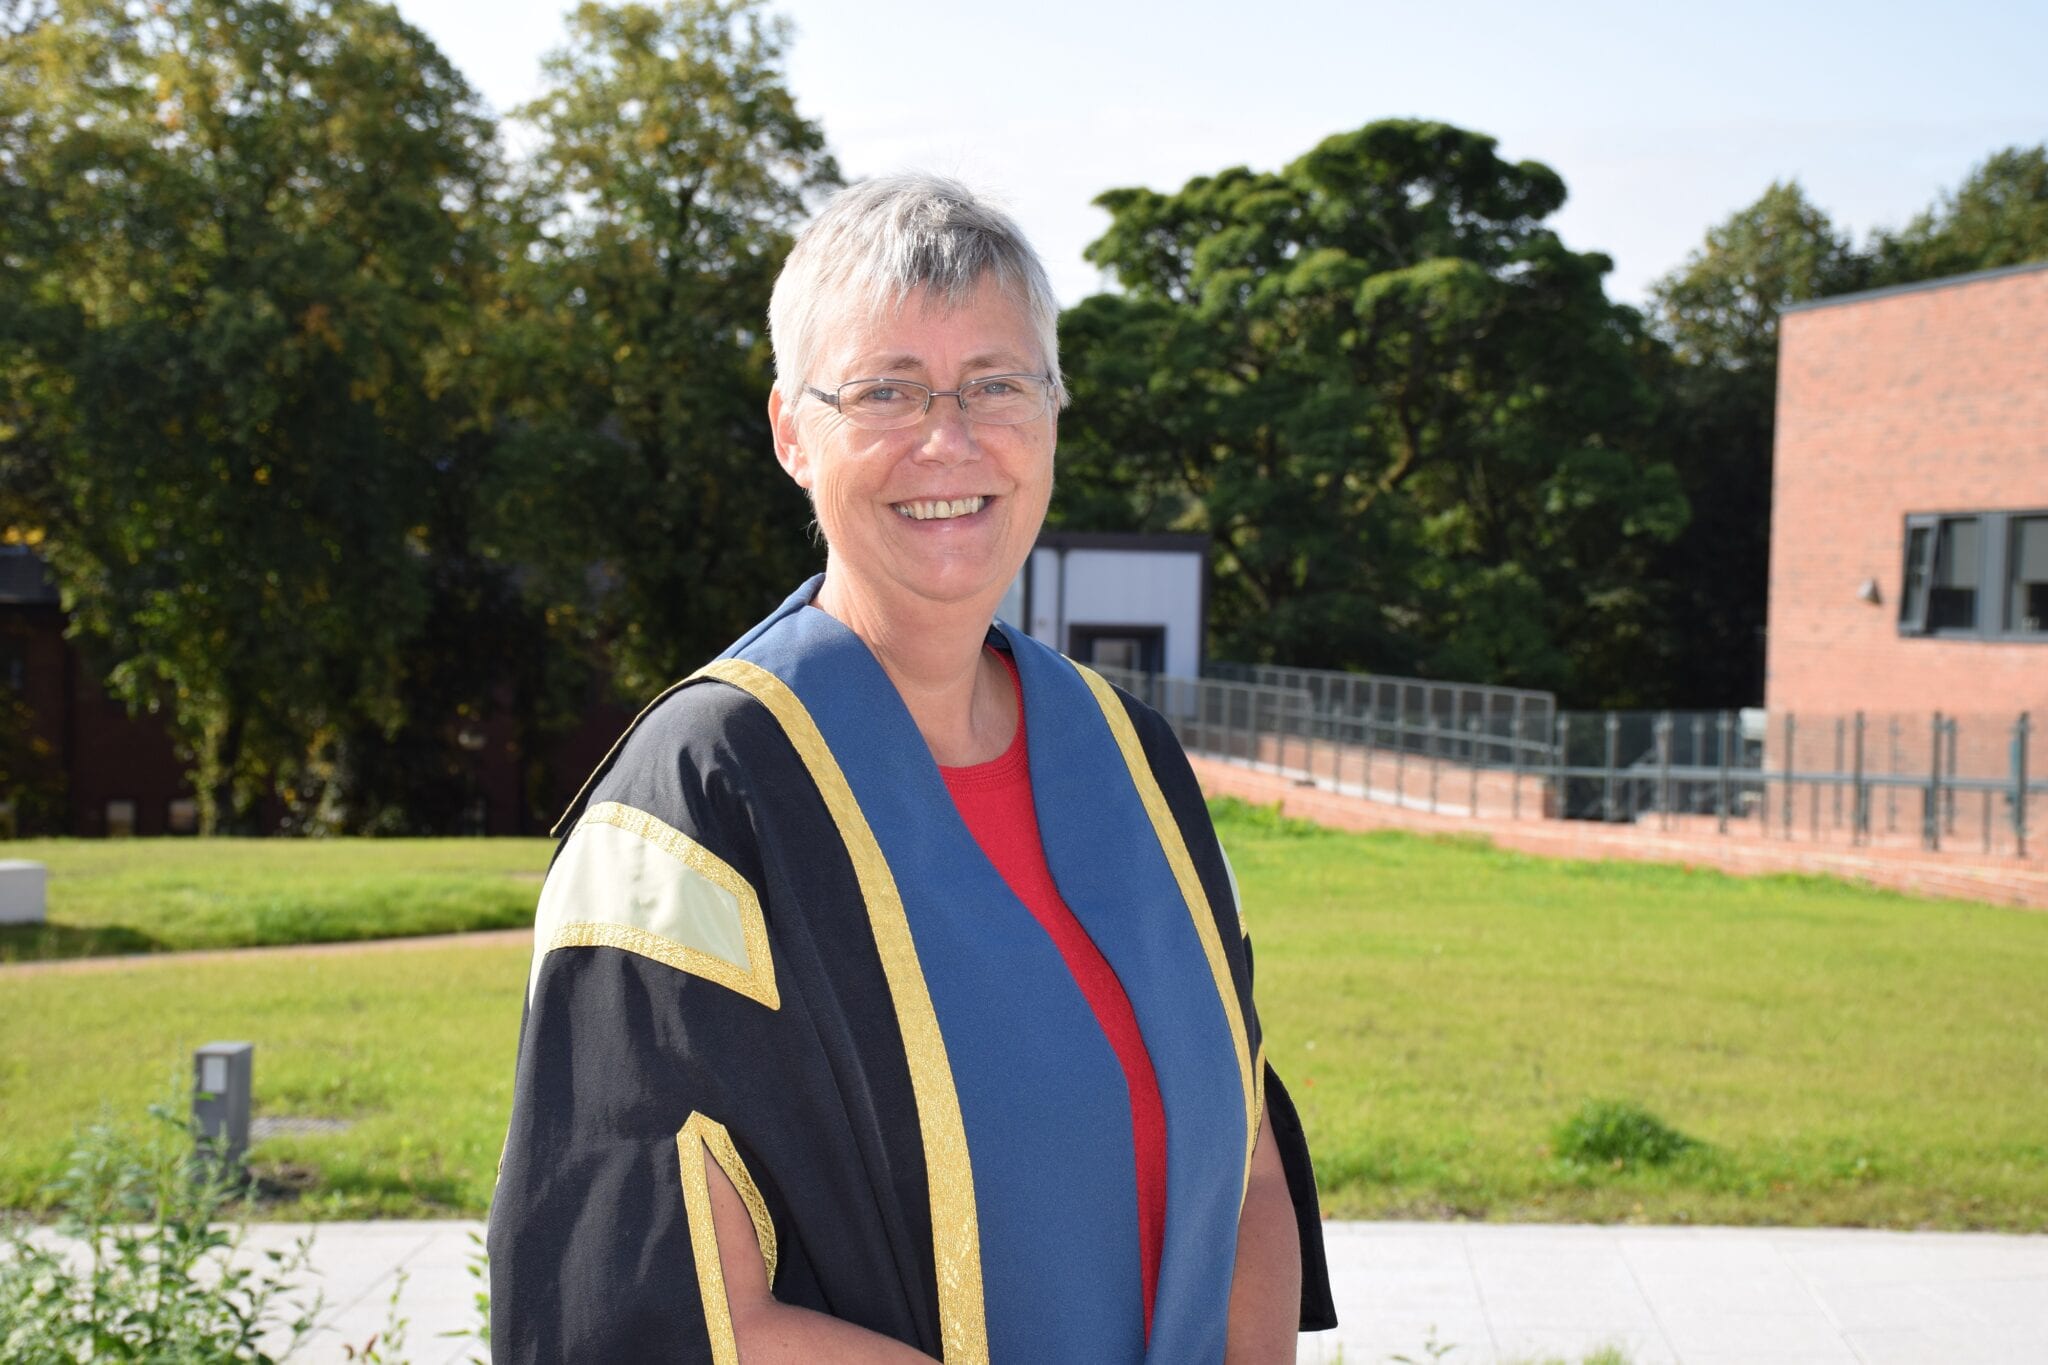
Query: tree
671	168
1721	307
1406	414
1998	216
243	244
1719	314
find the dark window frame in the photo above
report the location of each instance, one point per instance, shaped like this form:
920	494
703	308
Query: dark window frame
1996	581
1150	639
2009	604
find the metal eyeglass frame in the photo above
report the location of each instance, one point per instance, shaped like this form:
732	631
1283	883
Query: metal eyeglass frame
957	395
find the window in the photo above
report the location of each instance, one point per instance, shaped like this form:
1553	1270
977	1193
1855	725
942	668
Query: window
1952	593
181	816
1982	574
2027	598
13	664
120	819
1140	649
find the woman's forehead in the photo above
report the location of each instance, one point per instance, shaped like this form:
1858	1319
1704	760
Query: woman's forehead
923	330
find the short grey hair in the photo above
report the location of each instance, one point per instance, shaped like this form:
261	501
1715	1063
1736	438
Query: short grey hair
879	240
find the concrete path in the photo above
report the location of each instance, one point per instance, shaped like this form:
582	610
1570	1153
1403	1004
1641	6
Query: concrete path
1698	1296
1462	1293
475	938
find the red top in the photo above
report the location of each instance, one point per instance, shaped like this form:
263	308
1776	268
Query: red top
995	800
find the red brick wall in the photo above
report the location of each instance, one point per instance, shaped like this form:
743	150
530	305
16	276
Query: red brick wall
1929	400
106	754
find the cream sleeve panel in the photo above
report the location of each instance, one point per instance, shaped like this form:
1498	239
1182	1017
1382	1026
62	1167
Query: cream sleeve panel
628	880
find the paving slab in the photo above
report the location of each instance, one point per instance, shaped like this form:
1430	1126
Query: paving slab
1684	1296
1433	1293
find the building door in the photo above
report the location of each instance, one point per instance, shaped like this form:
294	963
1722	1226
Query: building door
1138	649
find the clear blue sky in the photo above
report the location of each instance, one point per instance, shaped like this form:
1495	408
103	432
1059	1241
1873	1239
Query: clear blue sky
1662	119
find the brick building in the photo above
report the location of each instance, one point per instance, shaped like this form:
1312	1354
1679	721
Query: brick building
115	773
120	774
1909	524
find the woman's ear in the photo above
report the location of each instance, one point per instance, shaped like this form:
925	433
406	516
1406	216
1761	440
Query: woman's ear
789	445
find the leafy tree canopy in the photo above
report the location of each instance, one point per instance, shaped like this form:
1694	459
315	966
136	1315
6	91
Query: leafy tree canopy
671	169
1719	313
1998	216
1408	416
1721	306
239	247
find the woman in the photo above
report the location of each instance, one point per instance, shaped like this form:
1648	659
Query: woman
890	999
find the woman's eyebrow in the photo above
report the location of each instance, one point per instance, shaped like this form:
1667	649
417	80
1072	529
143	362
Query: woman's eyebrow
890	364
903	364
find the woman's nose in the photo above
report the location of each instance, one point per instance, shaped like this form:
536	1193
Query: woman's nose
946	436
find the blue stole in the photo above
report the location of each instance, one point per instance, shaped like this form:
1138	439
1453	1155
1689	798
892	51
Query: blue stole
1042	1096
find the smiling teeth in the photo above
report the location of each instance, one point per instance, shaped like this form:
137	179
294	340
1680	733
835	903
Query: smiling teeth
941	509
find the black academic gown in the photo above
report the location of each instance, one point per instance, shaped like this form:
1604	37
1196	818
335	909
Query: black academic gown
767	937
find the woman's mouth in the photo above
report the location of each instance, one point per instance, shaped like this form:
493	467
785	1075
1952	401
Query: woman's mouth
940	509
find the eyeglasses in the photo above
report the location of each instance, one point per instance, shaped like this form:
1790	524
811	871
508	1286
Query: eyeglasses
1001	400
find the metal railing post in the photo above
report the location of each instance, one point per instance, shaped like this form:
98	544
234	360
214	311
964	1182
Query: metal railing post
1841	728
1280	715
1613	762
1309	720
1253	756
1664	771
1472	759
1515	763
1435	758
1366	729
1560	784
1722	726
1859	826
1699	760
1930	815
2021	731
1891	789
1949	805
1785	768
1401	755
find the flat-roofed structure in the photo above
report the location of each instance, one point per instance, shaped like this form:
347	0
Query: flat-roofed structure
1909	523
1124	600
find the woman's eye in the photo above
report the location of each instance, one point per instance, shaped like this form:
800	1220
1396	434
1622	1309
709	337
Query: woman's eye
881	396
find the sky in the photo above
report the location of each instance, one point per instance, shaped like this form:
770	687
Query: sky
1663	119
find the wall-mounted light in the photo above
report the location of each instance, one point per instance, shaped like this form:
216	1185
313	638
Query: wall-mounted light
1869	592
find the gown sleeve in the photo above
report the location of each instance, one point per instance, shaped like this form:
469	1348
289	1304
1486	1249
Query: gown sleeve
668	1018
1191	812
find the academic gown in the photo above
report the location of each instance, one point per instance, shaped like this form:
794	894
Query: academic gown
768	936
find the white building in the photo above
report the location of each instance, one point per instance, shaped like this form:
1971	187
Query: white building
1121	600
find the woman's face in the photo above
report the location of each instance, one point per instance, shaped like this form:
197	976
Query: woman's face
944	511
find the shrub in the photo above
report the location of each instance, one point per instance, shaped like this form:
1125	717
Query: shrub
142	1266
1619	1134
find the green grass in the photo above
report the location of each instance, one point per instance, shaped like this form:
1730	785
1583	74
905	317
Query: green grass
1443	1010
156	895
1469	1033
414	1048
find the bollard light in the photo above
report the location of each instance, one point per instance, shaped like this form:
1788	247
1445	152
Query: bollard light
222	1081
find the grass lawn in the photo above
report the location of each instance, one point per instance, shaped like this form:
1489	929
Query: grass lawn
1439	1009
415	1048
1842	1056
155	895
